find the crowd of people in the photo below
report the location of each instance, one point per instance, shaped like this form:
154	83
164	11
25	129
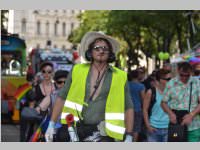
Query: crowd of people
107	104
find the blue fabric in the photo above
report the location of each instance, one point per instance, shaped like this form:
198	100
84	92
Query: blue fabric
160	135
158	118
135	89
45	124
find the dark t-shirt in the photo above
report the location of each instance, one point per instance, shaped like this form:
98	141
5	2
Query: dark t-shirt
39	96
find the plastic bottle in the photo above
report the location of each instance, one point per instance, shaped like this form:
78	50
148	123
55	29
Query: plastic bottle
72	134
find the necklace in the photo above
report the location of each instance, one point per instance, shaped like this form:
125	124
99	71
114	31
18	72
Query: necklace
98	81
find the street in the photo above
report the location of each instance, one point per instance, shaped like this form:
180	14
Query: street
9	133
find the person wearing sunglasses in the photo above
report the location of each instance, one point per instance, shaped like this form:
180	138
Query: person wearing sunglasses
96	94
156	120
46	87
182	93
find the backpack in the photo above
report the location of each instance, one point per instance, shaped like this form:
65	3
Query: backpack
153	100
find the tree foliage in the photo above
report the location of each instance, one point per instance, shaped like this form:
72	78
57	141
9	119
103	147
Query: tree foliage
147	31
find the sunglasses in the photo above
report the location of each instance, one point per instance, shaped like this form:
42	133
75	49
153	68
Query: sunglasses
166	79
184	75
60	82
97	48
49	72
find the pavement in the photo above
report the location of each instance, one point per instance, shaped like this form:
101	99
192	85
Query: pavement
10	133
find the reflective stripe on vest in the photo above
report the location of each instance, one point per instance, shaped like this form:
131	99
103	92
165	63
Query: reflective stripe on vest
115	105
75	106
63	116
115	128
76	92
114	116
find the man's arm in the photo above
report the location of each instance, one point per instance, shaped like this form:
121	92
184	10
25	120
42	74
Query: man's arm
57	109
171	114
187	119
129	111
129	115
164	105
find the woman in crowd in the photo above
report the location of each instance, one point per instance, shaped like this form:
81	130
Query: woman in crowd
156	120
46	87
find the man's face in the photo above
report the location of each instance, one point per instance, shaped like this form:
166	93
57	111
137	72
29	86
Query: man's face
60	82
100	51
184	76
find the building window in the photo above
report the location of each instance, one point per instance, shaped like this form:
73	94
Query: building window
23	26
73	11
38	46
38	28
72	26
64	29
56	28
47	28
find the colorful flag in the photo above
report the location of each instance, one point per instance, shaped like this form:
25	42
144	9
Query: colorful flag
21	91
40	130
36	135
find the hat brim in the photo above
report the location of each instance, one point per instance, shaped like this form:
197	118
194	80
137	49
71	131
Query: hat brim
91	36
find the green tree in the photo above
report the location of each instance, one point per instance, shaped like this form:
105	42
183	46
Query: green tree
4	19
148	31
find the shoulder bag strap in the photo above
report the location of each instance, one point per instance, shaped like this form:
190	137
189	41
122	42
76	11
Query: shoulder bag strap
190	95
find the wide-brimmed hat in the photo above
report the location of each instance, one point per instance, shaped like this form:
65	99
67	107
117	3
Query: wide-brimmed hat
89	37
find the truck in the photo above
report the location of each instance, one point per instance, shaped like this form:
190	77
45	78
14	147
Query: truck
13	74
61	60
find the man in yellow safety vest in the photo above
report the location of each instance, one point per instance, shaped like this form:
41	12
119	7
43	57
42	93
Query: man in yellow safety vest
96	94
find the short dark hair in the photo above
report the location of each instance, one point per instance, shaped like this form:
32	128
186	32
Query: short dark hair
46	63
60	74
185	67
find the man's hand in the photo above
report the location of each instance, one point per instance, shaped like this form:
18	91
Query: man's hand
50	132
172	118
187	119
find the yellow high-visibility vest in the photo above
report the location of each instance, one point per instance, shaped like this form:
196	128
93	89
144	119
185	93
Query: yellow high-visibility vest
114	112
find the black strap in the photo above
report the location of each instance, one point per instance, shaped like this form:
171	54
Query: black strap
97	85
190	95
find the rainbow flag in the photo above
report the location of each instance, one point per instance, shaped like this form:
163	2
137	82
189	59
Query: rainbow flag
36	135
40	130
21	91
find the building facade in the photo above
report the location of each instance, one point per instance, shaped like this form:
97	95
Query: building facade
44	28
